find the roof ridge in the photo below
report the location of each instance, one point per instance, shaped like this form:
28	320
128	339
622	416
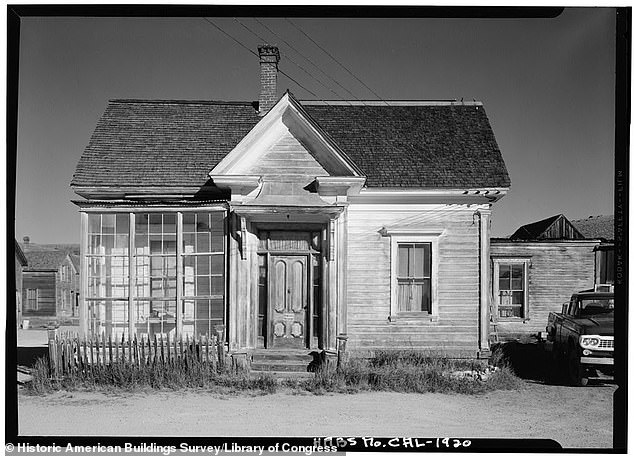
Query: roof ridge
444	102
163	101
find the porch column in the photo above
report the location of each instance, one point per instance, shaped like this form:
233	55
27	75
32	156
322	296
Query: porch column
485	228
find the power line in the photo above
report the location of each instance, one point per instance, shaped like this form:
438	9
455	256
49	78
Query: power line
371	133
337	61
250	50
253	52
307	59
287	57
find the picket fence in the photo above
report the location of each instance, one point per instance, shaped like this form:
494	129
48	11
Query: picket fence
67	352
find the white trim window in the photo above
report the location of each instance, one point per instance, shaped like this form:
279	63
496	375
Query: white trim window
510	288
414	276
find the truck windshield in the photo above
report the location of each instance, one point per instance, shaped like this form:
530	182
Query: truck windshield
593	306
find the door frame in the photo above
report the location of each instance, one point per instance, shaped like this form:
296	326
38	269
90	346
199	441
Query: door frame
269	301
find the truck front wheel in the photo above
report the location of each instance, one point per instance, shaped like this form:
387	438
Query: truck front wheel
577	373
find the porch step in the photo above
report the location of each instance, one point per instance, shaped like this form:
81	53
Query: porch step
283	361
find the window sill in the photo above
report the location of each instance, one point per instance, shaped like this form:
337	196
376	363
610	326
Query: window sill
413	316
512	319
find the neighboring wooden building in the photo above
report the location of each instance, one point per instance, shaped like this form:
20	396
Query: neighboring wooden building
293	223
50	284
535	271
20	263
601	227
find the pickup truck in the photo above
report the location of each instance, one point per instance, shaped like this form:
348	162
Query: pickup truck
581	337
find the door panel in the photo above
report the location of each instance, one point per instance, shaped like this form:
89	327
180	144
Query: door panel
289	301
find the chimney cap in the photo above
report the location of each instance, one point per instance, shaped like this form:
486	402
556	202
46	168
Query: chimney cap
269	50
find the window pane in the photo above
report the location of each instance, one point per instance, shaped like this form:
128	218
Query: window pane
518	298
418	260
217	264
427	260
189	243
94	223
107	223
202	265
189	222
203	244
169	223
123	223
403	260
505	277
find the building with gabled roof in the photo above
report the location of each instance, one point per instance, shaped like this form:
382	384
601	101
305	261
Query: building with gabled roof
291	224
50	284
542	264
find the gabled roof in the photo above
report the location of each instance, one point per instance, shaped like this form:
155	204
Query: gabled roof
19	254
555	227
405	144
75	259
596	227
45	256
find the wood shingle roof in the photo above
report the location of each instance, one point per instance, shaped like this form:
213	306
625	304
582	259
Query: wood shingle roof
177	143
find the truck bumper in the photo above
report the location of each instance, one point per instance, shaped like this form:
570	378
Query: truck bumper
594	360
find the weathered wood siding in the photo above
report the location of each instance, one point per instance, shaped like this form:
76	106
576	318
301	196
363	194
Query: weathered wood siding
44	282
287	156
556	270
455	331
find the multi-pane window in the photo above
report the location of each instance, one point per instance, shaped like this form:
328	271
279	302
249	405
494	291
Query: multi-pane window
155	272
108	272
511	289
203	271
31	299
414	277
155	305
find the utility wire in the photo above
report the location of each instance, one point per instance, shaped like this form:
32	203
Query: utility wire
287	57
371	133
307	59
253	52
337	61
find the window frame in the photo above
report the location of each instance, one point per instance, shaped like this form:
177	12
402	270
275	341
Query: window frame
396	239
35	299
497	262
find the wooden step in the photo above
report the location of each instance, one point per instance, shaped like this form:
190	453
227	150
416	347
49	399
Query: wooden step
279	366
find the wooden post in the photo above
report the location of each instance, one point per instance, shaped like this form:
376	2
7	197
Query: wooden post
220	332
155	349
130	349
85	354
162	351
143	350
136	351
175	351
103	341
110	347
122	349
341	350
92	359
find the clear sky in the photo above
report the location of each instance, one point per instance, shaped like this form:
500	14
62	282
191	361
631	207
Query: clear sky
547	86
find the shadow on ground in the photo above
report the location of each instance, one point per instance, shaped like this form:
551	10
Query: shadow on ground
530	361
27	356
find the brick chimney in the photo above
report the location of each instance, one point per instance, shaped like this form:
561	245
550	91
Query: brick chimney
269	57
26	239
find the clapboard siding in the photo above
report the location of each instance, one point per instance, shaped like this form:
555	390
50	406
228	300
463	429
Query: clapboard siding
455	328
44	282
287	156
556	271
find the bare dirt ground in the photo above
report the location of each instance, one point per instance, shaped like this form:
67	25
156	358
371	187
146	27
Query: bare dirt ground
538	411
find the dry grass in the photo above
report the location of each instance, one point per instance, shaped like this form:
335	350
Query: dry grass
402	371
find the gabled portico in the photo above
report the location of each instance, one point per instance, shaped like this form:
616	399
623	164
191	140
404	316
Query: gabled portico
289	187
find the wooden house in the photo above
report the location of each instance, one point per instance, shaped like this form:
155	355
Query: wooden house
50	284
535	271
20	263
294	224
601	227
